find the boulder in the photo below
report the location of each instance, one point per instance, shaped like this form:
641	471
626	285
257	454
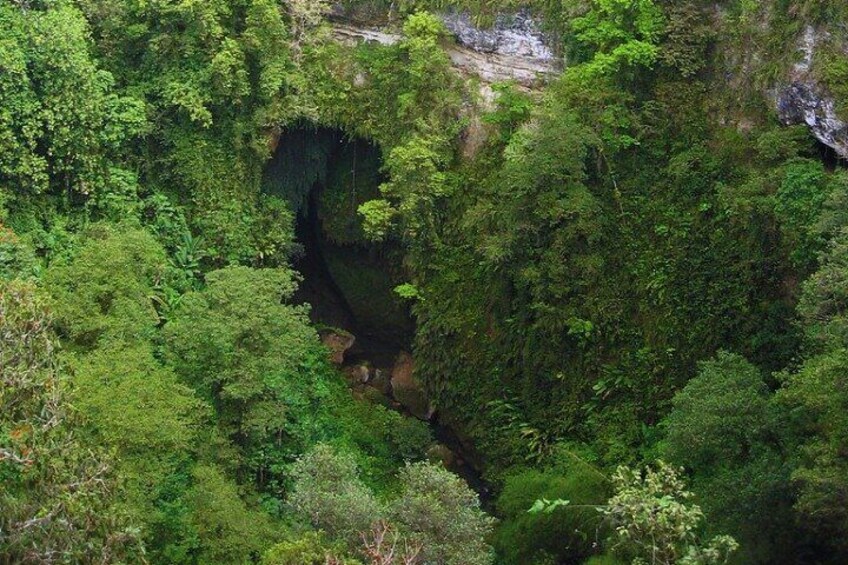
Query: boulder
381	380
440	453
407	390
513	34
357	374
338	342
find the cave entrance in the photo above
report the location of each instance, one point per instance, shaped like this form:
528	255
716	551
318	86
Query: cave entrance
830	157
325	175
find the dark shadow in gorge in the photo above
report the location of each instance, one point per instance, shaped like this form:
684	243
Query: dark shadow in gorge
341	305
325	175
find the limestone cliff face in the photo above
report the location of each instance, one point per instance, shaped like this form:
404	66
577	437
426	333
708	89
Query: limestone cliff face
805	101
514	48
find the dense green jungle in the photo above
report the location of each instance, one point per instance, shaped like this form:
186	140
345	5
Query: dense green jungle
424	282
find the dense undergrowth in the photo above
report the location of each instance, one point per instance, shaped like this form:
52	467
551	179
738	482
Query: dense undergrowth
638	264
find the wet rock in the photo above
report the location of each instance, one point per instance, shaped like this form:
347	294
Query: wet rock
407	390
805	103
381	380
338	342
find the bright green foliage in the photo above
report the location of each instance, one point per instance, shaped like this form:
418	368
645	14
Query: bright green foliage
309	549
213	75
60	119
441	513
655	524
422	95
106	296
408	292
418	182
255	359
107	291
621	34
57	491
377	218
138	407
227	530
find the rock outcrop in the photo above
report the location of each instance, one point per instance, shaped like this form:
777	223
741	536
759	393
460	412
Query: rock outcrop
338	342
513	49
516	35
407	390
805	101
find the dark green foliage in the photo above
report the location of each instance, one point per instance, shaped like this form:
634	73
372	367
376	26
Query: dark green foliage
726	431
17	259
816	394
824	302
568	534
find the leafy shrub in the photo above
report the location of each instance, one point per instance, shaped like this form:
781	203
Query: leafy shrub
654	521
330	495
565	535
438	510
309	549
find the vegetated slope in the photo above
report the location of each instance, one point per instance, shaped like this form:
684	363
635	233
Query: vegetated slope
638	258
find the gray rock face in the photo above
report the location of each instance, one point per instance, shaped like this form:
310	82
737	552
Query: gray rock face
805	101
515	35
513	49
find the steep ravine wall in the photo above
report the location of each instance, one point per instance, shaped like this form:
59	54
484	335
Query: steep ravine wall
514	49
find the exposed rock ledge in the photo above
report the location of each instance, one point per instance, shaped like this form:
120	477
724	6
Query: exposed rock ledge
513	49
805	101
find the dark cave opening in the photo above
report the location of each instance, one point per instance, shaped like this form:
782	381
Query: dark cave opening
325	175
831	159
349	282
